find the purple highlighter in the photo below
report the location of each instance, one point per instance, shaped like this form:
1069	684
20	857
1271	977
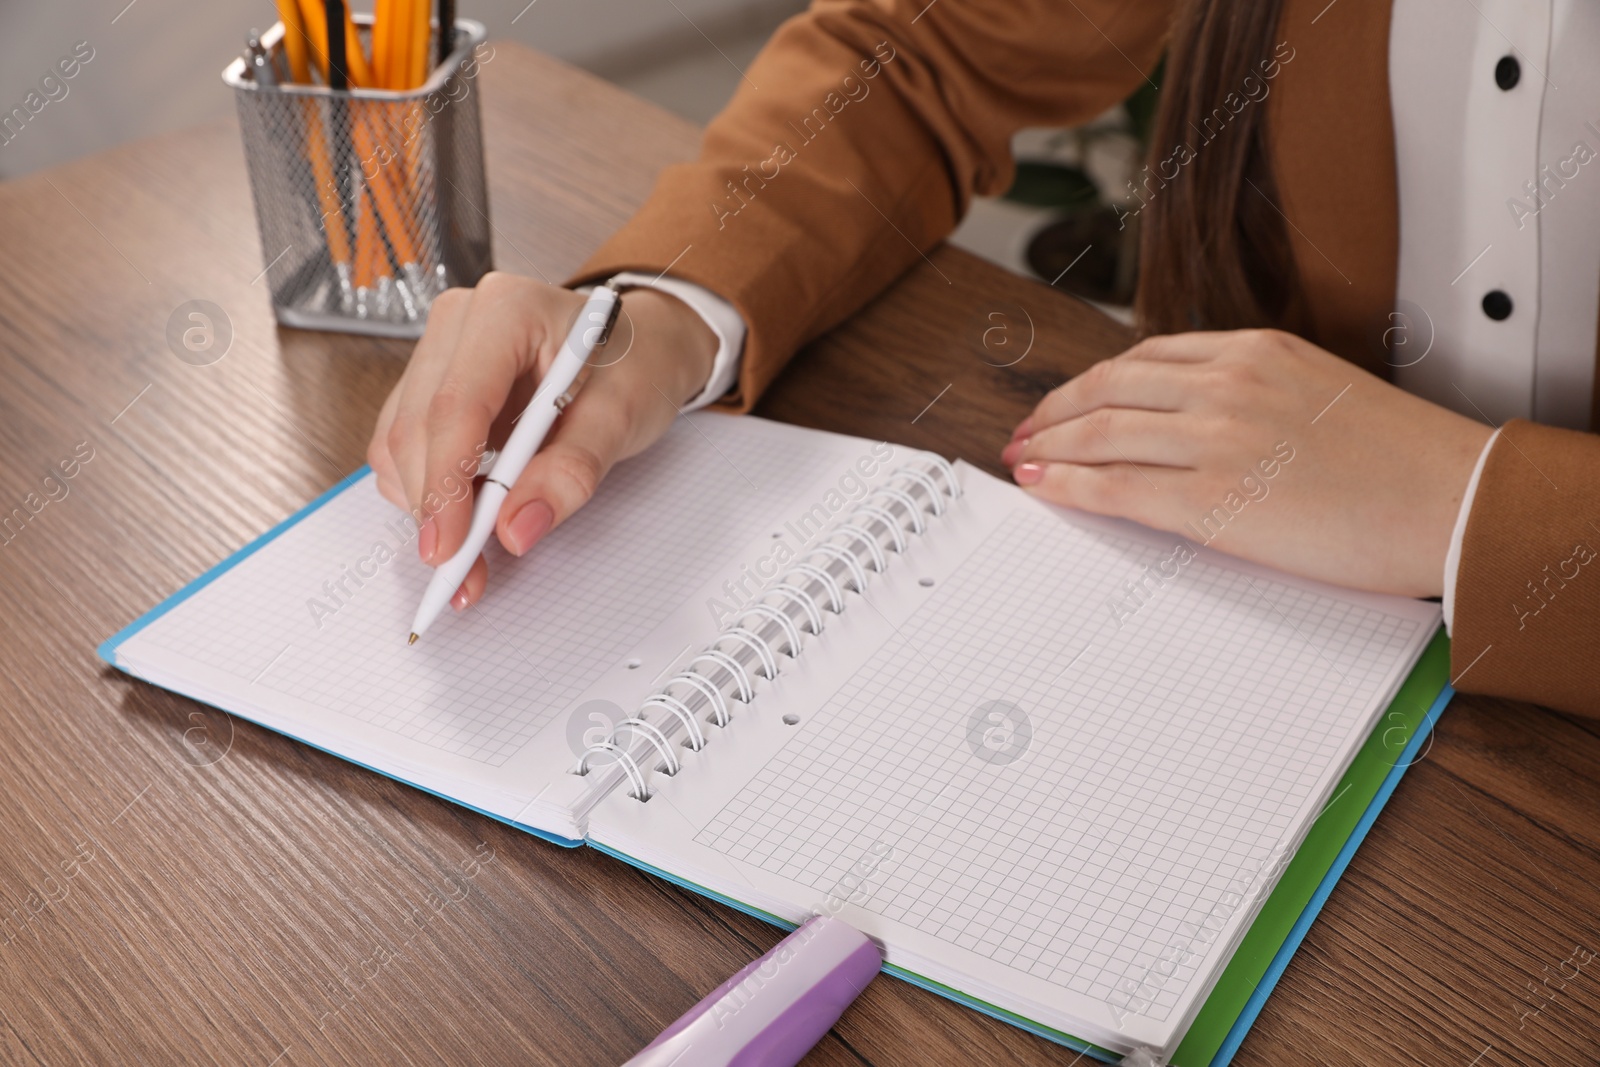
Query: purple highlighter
773	1011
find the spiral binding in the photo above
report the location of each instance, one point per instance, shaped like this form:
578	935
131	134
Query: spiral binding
874	514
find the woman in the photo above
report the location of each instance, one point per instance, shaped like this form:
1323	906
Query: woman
1322	179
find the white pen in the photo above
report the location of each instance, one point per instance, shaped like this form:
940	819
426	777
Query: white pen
560	384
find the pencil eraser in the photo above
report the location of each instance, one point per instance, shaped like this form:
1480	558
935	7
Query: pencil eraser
775	1009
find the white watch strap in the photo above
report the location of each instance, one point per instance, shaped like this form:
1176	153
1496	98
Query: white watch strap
718	314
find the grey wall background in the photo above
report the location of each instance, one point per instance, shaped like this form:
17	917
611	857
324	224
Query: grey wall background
157	63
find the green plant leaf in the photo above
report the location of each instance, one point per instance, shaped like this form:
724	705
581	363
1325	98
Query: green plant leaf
1052	185
1142	105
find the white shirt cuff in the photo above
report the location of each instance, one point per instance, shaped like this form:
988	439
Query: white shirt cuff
718	314
1452	557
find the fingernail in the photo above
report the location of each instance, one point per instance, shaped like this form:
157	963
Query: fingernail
427	541
459	601
531	522
1024	428
1029	474
1013	452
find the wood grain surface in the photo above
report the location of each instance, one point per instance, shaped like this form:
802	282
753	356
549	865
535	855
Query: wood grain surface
180	887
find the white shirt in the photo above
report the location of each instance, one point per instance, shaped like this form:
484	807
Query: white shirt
1496	107
1499	187
1500	192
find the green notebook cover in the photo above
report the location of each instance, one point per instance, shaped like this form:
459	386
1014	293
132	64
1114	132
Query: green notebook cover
1213	1036
1388	746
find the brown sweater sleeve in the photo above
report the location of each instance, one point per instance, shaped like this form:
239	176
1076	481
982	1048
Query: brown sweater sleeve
1527	605
856	142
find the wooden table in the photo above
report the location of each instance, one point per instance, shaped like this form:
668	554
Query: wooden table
176	886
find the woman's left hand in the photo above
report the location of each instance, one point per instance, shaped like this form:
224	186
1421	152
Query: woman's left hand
1263	446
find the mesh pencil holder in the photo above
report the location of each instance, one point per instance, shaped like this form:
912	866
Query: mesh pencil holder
370	203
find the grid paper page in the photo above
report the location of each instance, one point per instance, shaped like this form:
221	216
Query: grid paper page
1168	754
481	684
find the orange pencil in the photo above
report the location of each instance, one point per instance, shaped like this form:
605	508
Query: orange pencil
381	186
386	193
407	51
313	27
366	265
419	43
295	42
355	57
399	44
380	45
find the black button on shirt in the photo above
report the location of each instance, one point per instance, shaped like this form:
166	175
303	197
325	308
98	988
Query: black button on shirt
1507	72
1497	304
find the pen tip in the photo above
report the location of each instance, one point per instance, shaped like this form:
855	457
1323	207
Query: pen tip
413	640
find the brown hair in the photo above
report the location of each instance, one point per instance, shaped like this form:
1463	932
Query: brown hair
1214	253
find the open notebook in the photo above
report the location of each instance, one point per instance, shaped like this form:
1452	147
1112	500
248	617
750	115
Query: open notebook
1056	765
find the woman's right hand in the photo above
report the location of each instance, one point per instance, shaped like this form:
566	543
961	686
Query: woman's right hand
473	372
